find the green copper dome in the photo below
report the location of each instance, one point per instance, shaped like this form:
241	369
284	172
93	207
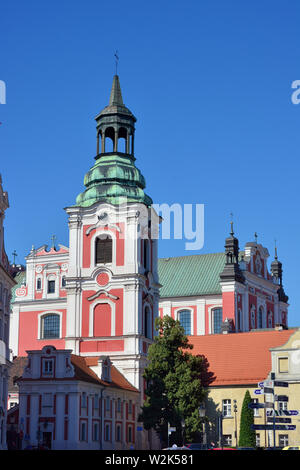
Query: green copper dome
115	179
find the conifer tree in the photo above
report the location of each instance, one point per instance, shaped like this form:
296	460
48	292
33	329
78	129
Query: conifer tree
176	383
247	435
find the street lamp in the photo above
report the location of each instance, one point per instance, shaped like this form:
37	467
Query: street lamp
182	431
235	412
202	415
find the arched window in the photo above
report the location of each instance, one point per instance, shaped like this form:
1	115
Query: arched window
109	140
239	320
270	319
217	317
63	282
260	317
103	251
252	317
147	323
122	140
50	326
185	320
39	283
51	286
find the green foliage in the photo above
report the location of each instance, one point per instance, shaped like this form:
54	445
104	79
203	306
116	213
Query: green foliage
175	382
247	435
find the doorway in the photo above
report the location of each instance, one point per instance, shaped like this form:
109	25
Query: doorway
47	439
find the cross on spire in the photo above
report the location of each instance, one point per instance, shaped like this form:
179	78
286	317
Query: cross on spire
117	61
255	236
15	254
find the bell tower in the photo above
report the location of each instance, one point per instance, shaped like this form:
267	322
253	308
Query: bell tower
112	282
232	283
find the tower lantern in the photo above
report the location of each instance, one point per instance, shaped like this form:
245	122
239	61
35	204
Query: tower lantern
115	122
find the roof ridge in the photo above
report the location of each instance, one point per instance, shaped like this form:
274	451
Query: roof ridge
192	256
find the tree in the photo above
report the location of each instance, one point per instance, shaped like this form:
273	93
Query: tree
247	435
175	383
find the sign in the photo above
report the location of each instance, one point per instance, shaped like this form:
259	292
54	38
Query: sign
285	427
256	405
258	391
261	427
271	427
272	419
289	412
261	405
139	428
269	404
282	398
282	412
268	390
269	383
277	383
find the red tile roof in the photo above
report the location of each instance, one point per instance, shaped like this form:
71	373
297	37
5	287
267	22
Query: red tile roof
117	379
83	371
239	358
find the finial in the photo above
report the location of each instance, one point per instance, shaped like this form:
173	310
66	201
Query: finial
14	255
53	238
117	60
255	236
231	224
276	249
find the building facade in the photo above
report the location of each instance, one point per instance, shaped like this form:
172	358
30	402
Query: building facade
241	362
70	402
233	291
6	284
100	295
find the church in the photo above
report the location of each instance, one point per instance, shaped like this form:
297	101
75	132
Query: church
99	296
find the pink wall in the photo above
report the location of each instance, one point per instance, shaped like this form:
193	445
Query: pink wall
28	336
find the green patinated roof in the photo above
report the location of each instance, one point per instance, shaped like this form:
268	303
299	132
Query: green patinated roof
181	276
20	279
185	276
114	179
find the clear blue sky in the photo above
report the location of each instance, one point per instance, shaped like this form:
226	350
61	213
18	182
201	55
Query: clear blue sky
210	84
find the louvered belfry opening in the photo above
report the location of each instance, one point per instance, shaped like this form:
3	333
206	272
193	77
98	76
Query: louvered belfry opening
103	250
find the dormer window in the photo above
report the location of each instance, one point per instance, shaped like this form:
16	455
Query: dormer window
48	367
105	368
